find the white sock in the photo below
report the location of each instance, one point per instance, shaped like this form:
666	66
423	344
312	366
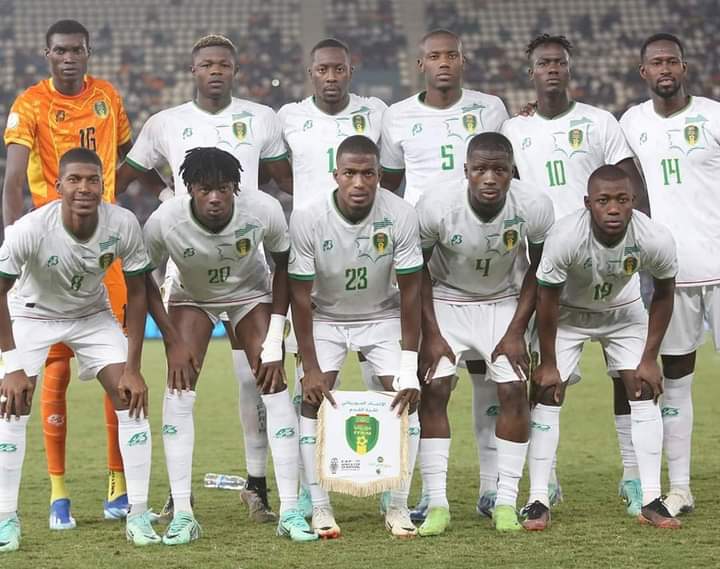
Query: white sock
647	436
252	417
677	414
399	497
511	461
297	396
485	411
179	442
308	444
136	450
623	428
434	454
544	437
13	435
282	424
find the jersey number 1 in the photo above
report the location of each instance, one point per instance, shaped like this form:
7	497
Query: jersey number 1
556	172
87	138
671	171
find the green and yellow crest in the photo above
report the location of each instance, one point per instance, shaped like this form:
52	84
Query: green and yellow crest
470	123
575	138
106	260
510	239
101	109
380	241
692	134
630	265
239	129
242	246
358	122
362	432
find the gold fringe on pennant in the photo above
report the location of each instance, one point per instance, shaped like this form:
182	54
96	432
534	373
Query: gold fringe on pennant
351	487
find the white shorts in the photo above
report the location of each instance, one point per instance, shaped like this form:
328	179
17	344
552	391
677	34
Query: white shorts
693	307
97	342
621	332
473	331
378	341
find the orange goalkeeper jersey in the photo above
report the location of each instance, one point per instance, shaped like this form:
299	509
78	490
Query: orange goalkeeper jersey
50	123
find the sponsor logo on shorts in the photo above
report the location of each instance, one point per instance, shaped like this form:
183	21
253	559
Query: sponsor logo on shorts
8	447
308	440
169	430
670	411
285	433
493	411
138	439
539	426
413	432
56	419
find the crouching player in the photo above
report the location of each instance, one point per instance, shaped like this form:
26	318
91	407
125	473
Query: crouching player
589	290
61	253
214	235
346	251
474	239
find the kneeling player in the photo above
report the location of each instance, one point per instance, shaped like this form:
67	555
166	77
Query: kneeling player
473	240
63	251
214	237
345	250
589	290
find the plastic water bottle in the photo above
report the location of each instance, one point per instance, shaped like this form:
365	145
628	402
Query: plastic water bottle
224	481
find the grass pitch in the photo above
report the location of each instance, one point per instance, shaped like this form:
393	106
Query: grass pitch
590	529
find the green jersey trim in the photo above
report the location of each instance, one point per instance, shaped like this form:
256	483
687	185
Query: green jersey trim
135	165
550	285
393	169
297	277
283	156
8	275
409	270
146	269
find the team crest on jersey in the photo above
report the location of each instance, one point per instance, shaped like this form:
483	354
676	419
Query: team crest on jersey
242	246
101	109
469	121
106	260
358	122
692	134
59	116
362	433
239	129
630	265
380	241
510	239
575	138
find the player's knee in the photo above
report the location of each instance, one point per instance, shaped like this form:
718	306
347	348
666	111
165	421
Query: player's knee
513	397
678	366
435	396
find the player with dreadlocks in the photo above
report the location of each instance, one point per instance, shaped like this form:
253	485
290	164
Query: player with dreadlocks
215	236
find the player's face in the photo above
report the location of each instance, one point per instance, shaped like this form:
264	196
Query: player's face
611	205
213	69
330	74
81	188
663	68
550	71
488	173
68	56
357	177
441	62
213	204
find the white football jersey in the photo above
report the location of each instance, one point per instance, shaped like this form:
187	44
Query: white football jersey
352	264
249	131
680	159
61	278
313	137
558	155
600	278
474	260
224	268
430	144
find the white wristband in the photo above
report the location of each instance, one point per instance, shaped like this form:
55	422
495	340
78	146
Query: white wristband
166	194
407	379
12	361
272	346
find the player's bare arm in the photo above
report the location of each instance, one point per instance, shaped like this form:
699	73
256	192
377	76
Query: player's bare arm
512	345
391	179
150	180
642	202
408	387
661	308
15	170
280	171
547	376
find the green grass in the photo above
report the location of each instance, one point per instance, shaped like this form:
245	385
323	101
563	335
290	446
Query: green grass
590	528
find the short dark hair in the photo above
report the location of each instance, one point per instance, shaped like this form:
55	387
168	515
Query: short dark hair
357	144
439	32
607	173
67	27
493	141
662	36
214	40
330	42
546	39
209	166
79	155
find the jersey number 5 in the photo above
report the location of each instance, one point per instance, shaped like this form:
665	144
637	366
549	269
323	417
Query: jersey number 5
448	157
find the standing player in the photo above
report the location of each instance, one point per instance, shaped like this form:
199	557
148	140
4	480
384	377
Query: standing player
471	240
251	133
346	250
556	149
214	237
424	140
676	138
60	253
589	290
67	110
